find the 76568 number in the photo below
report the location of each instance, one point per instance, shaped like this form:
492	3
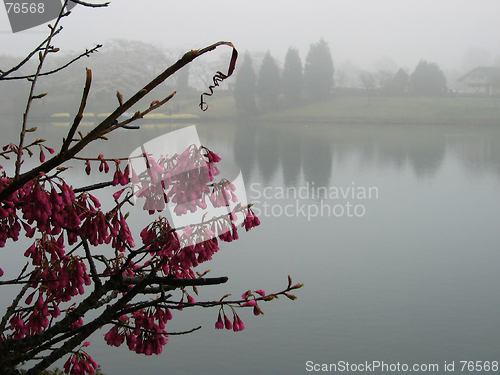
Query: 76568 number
25	7
479	365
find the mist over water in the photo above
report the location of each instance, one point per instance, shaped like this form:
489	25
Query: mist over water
412	280
392	228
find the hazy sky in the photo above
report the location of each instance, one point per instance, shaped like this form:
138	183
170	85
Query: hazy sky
362	31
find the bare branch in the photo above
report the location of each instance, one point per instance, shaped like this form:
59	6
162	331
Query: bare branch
42	57
3	75
93	271
85	4
79	115
84	54
176	282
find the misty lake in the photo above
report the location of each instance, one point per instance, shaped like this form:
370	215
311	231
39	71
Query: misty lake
393	229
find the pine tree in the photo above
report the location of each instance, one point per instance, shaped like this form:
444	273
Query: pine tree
400	83
292	82
269	84
428	79
318	71
244	86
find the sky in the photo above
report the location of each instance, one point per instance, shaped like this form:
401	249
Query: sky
363	32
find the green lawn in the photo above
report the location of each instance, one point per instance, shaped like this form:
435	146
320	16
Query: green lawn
404	110
426	110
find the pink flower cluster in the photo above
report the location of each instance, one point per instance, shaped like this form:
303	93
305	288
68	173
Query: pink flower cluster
36	322
61	281
48	205
100	228
236	325
145	335
80	363
222	193
48	209
251	220
182	179
52	211
252	302
119	178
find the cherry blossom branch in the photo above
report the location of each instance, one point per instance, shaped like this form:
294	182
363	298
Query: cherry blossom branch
117	323
169	281
139	115
104	127
91	327
12	307
93	271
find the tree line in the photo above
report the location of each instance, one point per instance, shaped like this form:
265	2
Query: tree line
265	88
272	88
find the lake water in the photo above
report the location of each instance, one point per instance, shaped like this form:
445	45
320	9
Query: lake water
393	229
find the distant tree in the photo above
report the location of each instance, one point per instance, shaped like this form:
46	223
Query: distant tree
428	79
400	83
383	78
128	62
318	70
368	81
341	78
245	86
292	81
269	83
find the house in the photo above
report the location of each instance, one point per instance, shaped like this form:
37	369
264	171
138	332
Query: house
482	80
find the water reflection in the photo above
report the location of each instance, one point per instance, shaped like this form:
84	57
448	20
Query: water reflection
316	152
414	280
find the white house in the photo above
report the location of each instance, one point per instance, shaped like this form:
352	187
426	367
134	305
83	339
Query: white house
482	80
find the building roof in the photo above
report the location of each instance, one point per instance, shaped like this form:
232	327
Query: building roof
489	71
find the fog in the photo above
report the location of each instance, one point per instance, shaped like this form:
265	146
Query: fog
456	34
411	277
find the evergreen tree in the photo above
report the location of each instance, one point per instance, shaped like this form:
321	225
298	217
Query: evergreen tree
269	84
400	83
318	70
292	80
428	79
244	86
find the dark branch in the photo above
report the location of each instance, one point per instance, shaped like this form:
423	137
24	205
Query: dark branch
79	116
27	58
85	4
86	53
167	281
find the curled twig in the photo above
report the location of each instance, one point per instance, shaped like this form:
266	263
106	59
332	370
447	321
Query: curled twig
219	77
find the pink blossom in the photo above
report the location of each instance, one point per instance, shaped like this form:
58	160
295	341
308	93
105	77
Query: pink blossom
257	311
227	323
220	323
238	324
